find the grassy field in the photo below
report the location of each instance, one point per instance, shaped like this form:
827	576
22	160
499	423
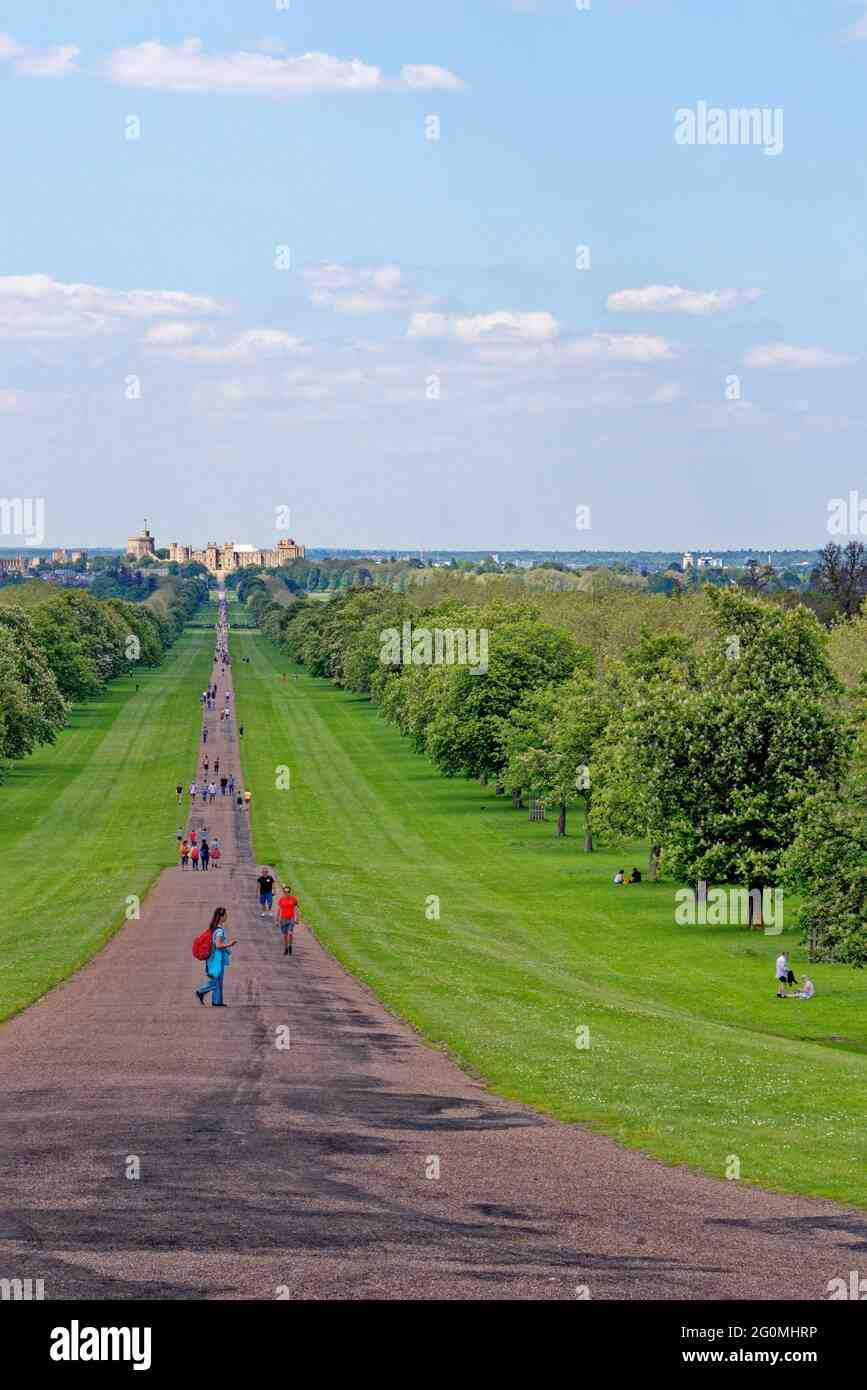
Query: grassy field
92	819
691	1057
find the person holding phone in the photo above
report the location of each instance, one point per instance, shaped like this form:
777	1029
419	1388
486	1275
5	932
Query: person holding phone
217	962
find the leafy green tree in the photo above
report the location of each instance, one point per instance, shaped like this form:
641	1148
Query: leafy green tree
32	709
548	744
464	736
827	865
720	756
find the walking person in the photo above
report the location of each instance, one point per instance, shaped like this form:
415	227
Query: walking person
193	790
213	791
205	734
216	855
185	854
180	791
287	915
218	960
232	785
206	855
265	883
194	856
224	782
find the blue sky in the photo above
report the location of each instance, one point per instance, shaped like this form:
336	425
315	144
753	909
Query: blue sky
431	368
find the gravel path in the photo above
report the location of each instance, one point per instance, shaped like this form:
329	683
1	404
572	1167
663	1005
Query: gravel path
307	1171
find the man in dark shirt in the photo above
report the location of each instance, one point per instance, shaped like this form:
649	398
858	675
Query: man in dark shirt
265	882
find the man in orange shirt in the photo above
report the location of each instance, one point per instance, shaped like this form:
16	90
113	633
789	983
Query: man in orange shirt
287	912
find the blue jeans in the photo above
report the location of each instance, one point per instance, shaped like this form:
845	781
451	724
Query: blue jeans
215	985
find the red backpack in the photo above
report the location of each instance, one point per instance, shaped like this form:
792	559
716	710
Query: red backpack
202	944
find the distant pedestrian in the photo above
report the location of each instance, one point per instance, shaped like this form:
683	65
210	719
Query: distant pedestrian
185	854
206	855
180	791
193	834
194	855
232	785
205	734
216	855
224	782
287	915
213	791
193	791
248	797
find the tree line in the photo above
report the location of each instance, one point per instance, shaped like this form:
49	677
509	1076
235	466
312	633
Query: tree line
62	645
730	746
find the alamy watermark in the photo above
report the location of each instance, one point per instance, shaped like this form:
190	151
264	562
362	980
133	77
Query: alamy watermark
424	646
724	907
24	517
847	516
713	125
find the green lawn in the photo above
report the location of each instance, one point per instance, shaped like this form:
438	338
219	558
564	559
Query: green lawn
691	1056
92	819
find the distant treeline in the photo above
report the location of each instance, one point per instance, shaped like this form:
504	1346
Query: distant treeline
727	730
64	645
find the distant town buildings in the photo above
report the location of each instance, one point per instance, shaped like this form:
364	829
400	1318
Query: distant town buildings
232	555
700	562
140	546
219	559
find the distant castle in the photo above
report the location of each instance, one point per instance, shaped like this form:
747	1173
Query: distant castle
219	559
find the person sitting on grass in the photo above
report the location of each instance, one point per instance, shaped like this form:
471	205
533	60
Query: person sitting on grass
618	877
807	990
636	876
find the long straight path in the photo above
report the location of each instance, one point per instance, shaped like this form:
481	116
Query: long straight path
153	1148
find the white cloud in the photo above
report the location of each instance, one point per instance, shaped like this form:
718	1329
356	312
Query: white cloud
784	355
374	290
858	30
172	333
13	402
252	344
502	326
666	394
38	62
620	347
188	68
36	306
673	299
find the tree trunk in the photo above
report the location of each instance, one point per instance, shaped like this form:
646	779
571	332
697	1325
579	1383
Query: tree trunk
588	839
483	780
517	798
653	863
561	819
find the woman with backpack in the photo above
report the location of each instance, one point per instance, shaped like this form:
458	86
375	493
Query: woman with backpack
218	959
194	855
